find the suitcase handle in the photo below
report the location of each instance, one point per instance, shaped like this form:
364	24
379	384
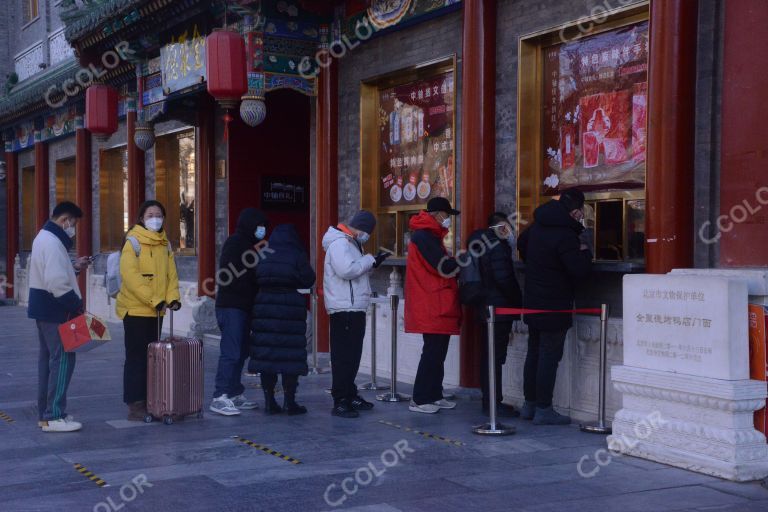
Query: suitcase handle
159	335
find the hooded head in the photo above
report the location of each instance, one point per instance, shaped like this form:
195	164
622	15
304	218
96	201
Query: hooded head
249	220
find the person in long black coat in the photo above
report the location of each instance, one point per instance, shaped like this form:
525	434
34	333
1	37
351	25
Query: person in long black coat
279	325
501	290
557	256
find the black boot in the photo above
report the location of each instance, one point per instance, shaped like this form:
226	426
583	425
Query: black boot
268	381
290	383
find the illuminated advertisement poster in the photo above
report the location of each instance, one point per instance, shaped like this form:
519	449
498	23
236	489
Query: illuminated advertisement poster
416	137
595	111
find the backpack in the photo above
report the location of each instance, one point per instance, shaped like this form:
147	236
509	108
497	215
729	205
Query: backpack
112	280
471	290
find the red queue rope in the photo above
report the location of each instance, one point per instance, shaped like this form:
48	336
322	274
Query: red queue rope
526	311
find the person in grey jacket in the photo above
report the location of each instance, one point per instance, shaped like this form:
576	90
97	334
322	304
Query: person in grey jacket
347	294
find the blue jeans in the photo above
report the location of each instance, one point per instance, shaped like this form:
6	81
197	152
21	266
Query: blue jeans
235	346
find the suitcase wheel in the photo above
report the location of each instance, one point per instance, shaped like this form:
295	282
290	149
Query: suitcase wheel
168	420
148	418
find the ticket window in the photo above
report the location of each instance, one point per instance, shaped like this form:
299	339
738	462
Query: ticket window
175	187
618	226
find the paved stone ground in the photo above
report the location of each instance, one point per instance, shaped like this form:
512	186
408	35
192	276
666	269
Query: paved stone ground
198	465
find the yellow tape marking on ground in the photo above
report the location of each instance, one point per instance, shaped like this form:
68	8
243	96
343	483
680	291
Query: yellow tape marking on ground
5	417
424	434
89	475
268	450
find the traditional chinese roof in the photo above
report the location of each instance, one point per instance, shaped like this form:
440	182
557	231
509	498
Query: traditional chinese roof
29	95
82	18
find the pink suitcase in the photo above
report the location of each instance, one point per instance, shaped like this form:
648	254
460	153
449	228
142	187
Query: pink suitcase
174	378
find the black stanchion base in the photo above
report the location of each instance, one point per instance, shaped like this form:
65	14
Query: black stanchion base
393	397
596	428
372	386
488	430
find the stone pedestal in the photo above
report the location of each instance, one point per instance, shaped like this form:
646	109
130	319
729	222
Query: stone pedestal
687	399
696	423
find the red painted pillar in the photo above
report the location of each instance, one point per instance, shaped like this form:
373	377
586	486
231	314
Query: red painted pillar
135	166
206	203
327	188
12	213
478	146
84	198
42	181
671	113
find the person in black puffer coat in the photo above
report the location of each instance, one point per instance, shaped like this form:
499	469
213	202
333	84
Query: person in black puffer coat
279	325
557	255
501	290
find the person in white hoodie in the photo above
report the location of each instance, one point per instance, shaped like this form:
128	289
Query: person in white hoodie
347	295
54	298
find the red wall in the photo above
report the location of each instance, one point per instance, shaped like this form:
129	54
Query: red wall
279	146
744	136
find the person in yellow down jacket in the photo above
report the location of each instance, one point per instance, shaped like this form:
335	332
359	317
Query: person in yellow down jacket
149	285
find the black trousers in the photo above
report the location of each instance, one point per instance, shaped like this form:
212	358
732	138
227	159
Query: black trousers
347	335
428	386
501	332
140	331
290	383
545	350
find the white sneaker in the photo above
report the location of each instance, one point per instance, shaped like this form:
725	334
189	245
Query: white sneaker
224	406
445	404
43	423
424	408
243	403
62	425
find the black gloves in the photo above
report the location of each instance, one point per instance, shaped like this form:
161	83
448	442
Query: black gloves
174	305
160	306
380	258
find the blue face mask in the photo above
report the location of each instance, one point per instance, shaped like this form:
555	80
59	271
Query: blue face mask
363	237
260	232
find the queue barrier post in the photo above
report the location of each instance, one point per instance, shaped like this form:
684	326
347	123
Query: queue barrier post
315	368
601	426
393	396
373	386
493	428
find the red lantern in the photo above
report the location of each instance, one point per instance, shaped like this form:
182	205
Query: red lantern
225	67
101	110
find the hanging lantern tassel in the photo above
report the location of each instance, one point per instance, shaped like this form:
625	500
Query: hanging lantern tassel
227	119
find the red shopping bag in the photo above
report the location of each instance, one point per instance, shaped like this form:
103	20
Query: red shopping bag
83	333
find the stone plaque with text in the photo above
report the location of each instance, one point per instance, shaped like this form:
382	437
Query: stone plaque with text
691	325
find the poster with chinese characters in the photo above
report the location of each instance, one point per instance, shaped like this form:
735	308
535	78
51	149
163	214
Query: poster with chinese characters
595	111
416	141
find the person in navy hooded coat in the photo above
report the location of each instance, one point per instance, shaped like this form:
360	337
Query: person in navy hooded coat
279	325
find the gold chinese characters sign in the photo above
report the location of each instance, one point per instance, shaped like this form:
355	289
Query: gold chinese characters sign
183	61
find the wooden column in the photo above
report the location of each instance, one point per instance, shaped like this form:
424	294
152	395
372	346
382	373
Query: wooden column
42	181
84	198
327	183
671	114
12	213
206	202
136	194
478	146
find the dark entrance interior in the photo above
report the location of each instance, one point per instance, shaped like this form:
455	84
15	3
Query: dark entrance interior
269	164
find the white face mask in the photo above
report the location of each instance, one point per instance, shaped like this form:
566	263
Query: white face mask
260	233
363	237
70	230
446	223
154	224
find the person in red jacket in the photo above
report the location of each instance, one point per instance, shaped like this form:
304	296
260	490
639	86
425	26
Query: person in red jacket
431	301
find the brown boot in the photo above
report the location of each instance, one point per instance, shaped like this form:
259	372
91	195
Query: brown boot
137	411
